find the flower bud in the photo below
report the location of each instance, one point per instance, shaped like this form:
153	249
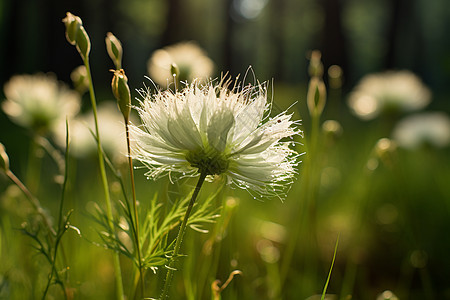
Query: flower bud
114	49
73	24
315	68
385	152
80	79
335	76
121	91
316	96
4	159
332	130
385	148
174	70
76	35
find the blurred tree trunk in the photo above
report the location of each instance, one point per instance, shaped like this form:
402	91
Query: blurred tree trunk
393	31
277	20
227	44
334	51
420	61
404	34
9	37
173	30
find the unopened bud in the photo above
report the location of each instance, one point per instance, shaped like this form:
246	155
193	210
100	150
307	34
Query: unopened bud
315	65
231	203
121	91
316	96
332	130
76	35
73	24
385	152
335	76
80	79
4	159
385	148
174	70
114	49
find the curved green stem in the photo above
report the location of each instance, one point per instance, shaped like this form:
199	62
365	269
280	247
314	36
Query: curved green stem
116	260
179	239
32	179
60	229
136	219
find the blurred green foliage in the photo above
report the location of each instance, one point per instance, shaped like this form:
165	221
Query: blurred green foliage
393	219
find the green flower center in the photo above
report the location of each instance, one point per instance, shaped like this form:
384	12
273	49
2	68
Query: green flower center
208	160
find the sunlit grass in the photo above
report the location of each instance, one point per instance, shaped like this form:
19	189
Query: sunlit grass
388	204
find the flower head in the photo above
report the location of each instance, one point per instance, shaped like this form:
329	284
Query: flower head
391	91
111	128
218	131
191	60
39	101
431	128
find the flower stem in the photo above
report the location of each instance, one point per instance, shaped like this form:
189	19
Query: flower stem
60	229
34	166
179	239
136	219
116	261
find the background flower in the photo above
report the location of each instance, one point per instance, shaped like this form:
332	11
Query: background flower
112	133
191	60
388	92
430	128
39	101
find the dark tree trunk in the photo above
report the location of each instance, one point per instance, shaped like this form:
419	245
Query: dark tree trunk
227	45
405	40
333	43
174	29
277	21
9	33
392	34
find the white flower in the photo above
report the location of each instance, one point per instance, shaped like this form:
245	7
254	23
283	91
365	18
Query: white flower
191	60
218	131
391	91
111	128
39	101
431	128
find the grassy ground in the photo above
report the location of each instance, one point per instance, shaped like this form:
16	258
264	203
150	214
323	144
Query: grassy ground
391	215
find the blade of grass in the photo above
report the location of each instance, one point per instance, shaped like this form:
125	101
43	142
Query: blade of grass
331	269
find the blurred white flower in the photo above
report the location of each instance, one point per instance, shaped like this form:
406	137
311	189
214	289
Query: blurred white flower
391	91
39	102
430	128
111	128
268	252
214	130
190	59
